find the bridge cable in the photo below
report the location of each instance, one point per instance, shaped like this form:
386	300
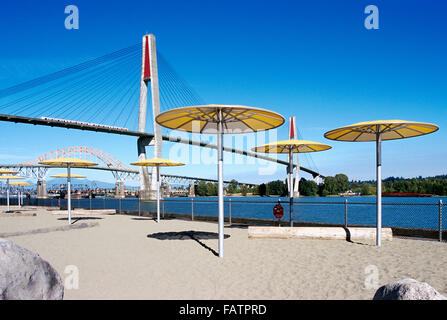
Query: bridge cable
91	90
62	73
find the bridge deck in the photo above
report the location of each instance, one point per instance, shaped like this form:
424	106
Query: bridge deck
105	129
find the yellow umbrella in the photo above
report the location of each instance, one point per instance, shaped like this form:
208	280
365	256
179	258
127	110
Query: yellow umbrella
157	162
69	163
7	171
378	131
290	147
220	119
7	178
19	184
64	175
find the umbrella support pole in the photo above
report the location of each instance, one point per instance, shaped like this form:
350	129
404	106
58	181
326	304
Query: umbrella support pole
290	176
69	193
220	184
158	194
7	195
379	188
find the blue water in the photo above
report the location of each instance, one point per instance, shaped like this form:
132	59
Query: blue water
396	212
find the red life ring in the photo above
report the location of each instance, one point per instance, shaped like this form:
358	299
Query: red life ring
278	211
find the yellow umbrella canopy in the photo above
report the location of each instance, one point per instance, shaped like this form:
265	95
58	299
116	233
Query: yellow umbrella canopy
20	183
378	131
10	177
73	162
220	119
7	178
388	129
68	162
157	162
294	146
64	175
205	119
7	171
290	147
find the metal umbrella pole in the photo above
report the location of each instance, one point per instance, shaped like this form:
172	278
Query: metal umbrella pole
291	186
19	193
69	192
379	186
220	184
7	194
371	131
158	193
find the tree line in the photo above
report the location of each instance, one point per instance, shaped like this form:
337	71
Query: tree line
333	185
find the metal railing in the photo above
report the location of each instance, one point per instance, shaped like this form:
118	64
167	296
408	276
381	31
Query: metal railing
405	218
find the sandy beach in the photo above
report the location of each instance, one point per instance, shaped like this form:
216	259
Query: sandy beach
130	257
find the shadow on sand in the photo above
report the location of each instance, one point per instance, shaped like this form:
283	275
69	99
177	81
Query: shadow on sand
348	237
74	220
151	218
189	235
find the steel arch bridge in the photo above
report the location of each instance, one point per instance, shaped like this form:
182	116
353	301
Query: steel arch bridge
85	153
120	171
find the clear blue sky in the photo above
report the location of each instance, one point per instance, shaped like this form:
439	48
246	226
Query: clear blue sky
311	59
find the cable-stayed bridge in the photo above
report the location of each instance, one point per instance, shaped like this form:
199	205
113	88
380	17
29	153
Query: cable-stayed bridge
102	95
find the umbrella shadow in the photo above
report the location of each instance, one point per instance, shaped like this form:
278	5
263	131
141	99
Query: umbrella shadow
348	237
189	235
74	220
144	219
238	226
150	219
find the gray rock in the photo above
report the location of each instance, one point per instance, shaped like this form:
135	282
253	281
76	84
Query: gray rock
407	289
24	275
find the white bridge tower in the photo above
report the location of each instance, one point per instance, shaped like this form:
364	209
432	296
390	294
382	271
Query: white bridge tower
149	75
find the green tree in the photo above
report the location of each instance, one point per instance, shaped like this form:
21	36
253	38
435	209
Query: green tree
308	187
342	183
367	189
233	186
262	189
211	189
244	190
329	186
200	189
277	187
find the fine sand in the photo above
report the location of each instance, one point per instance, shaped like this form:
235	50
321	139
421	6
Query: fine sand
117	260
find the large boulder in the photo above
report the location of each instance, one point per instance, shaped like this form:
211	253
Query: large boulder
407	289
24	275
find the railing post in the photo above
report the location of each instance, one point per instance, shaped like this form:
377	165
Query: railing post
346	213
139	206
119	204
90	201
440	220
104	202
192	209
229	211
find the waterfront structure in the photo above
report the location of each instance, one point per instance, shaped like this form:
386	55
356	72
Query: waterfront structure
7	175
157	163
20	185
149	74
291	147
379	131
68	163
220	119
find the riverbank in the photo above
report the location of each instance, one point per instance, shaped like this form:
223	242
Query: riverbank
131	257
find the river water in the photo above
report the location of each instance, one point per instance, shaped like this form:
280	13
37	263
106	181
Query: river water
396	211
